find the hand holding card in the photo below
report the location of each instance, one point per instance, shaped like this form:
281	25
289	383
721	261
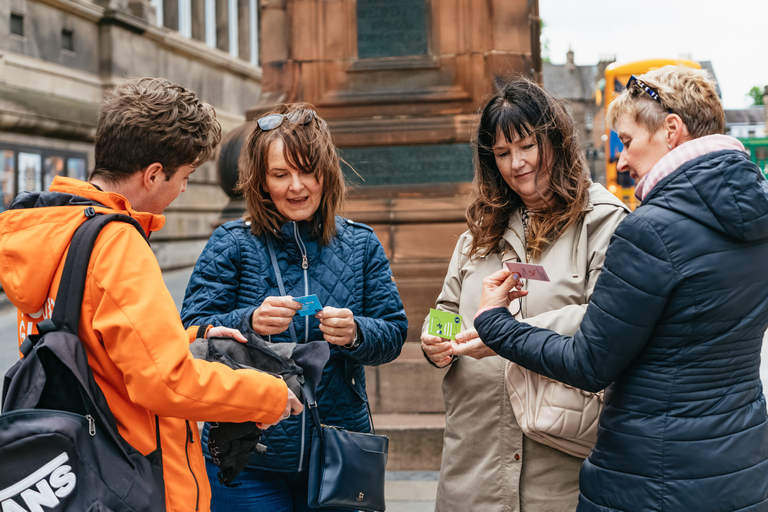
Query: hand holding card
310	305
527	271
444	324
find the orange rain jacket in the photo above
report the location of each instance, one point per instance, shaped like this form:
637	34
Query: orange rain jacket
136	344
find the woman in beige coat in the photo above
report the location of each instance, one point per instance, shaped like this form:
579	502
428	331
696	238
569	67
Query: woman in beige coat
533	202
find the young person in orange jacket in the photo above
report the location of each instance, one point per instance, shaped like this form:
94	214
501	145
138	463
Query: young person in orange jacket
150	136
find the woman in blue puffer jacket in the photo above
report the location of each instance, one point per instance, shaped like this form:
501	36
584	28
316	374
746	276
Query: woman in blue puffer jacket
675	324
291	244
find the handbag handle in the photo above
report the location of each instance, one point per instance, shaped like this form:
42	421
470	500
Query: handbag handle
312	405
279	278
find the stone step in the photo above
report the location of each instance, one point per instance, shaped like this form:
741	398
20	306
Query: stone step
415	440
409	384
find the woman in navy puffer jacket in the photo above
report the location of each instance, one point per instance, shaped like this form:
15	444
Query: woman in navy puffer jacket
293	186
676	321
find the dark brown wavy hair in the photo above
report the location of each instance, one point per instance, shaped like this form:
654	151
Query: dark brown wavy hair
518	109
148	120
308	147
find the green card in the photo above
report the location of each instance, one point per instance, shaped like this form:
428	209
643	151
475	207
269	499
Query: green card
444	324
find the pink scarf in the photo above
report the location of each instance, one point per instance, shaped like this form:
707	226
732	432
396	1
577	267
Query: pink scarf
681	154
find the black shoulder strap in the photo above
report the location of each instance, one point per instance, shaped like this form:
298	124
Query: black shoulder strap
69	298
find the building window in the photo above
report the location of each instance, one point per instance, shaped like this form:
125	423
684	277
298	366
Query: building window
589	121
210	23
30	171
17	24
158	5
7	177
232	26
185	18
391	28
254	33
68	39
26	168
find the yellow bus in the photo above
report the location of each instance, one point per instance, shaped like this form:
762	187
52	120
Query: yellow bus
616	77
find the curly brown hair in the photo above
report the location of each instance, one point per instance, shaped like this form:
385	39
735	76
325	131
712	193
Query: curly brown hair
305	146
148	120
519	109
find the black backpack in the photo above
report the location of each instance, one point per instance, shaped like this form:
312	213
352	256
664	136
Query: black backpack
59	444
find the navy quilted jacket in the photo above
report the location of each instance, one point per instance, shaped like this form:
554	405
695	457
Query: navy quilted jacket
674	330
234	275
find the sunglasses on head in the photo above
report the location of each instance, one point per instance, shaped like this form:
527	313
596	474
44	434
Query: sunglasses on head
650	90
272	121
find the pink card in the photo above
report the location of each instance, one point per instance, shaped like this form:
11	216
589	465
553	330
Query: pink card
527	270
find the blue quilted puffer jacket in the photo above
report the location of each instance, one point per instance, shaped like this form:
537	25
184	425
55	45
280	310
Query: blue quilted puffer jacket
674	330
235	274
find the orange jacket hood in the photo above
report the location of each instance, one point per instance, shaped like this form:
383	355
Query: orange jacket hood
36	231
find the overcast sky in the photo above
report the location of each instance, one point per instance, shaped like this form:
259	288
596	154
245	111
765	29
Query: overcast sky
732	34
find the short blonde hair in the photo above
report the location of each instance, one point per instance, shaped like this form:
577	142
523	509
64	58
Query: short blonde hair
689	93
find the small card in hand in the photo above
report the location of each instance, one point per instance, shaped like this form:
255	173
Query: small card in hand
309	305
444	324
527	271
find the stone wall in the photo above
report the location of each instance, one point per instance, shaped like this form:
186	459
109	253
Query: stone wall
49	95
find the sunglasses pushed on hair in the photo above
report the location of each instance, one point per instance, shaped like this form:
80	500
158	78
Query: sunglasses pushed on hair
650	90
300	117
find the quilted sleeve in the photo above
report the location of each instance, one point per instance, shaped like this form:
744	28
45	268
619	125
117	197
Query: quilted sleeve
629	297
212	290
602	223
383	322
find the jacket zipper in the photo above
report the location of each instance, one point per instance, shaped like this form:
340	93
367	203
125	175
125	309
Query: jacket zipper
304	266
191	439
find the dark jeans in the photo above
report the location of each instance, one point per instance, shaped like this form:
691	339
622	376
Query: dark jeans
261	491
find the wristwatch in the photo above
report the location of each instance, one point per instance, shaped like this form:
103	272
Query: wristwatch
352	345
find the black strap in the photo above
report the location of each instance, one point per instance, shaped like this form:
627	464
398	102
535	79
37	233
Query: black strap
312	405
69	298
279	278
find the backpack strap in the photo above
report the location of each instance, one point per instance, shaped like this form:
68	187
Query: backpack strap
69	298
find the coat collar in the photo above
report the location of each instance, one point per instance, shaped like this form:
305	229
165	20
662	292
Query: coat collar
112	200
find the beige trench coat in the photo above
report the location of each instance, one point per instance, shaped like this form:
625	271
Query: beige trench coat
487	464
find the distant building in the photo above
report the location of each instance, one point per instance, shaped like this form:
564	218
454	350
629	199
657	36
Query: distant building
57	58
577	84
746	122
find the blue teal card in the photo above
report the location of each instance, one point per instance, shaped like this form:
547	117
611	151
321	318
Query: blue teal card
309	305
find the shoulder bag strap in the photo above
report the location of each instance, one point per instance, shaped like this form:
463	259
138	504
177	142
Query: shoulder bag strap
69	298
279	278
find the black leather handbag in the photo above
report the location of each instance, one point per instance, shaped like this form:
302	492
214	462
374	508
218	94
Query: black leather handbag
346	469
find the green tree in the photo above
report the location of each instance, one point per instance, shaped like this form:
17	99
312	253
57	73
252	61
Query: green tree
544	42
756	93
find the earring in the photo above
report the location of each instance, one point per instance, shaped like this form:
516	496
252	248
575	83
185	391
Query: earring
669	146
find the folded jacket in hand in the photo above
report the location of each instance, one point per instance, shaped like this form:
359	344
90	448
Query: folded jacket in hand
231	444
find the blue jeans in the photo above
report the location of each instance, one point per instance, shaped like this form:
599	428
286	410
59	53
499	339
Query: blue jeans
261	491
